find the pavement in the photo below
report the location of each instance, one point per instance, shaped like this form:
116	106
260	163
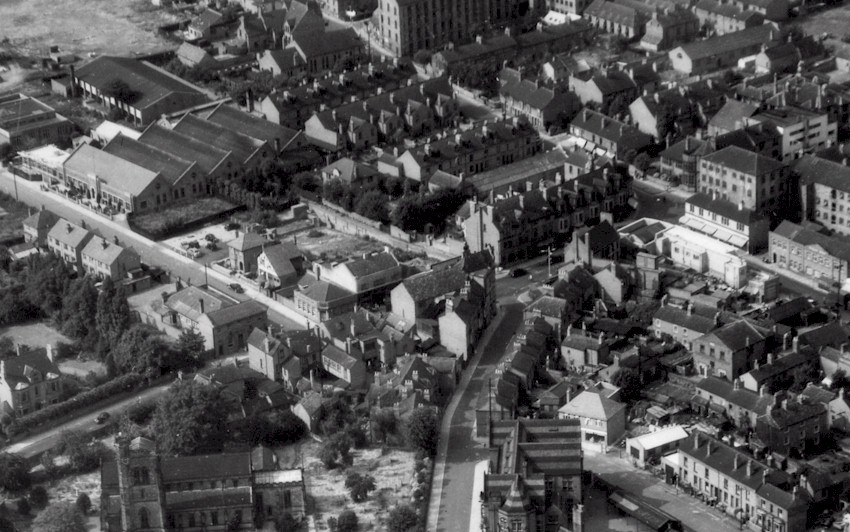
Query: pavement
695	515
458	452
151	252
477	488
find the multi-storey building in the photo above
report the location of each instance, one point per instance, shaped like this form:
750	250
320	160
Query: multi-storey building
612	17
731	350
525	174
726	17
407	26
617	138
26	123
101	259
721	51
803	130
825	192
745	178
794	426
668	112
572	7
669	28
762	138
545	108
534	479
143	490
750	489
67	240
38	225
682	160
682	325
603	88
723	220
484	147
29	381
805	251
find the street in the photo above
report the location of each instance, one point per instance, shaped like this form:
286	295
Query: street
462	451
150	252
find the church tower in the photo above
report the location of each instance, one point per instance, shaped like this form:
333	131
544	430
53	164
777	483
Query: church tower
140	486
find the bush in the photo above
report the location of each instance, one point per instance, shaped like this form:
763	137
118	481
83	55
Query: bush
119	385
141	414
347	521
38	497
83	503
23	506
14	472
315	233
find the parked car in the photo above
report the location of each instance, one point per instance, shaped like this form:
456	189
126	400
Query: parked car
209	237
236	287
191	244
102	418
230	226
195	252
519	272
212	246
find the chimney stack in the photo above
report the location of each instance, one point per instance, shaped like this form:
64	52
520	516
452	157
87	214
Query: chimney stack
749	467
201	304
51	356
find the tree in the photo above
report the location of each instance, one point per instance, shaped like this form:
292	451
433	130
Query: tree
359	486
77	317
83	503
23	506
191	344
112	317
423	57
14	472
6	525
384	424
48	462
347	521
373	205
60	517
402	518
83	455
357	435
289	427
38	496
286	523
423	431
629	383
140	350
840	380
190	419
642	162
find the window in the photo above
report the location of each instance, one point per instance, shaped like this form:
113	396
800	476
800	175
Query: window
144	520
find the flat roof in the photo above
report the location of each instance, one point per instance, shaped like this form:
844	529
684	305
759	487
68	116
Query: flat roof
700	239
660	437
48	155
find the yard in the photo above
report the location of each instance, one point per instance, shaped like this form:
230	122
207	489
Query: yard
34	334
180	214
81	27
327	244
393	473
12	213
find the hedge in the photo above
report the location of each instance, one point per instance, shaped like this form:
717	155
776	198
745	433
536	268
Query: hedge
116	386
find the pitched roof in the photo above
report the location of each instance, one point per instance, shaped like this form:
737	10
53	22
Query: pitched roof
518	171
616	13
212	466
149	83
252	126
371	264
206	156
813	170
743	161
320	290
733	463
593	405
746	399
834	245
104	251
691	146
280	256
170	167
532	94
187	302
19	369
725	208
242	146
738	334
613	130
41	220
779	366
434	283
732	114
119	174
246	241
832	334
315	44
549	306
69	233
729	42
339	356
687	320
237	312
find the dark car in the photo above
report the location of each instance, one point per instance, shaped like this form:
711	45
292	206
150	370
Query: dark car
519	272
236	287
231	226
102	418
209	237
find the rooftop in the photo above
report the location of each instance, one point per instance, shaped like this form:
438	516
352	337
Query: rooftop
743	161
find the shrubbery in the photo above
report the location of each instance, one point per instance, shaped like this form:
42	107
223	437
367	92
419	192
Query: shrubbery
121	384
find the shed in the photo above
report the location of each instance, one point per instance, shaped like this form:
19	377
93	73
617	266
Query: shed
655	444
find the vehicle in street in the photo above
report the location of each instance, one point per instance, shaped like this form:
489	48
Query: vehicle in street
102	418
518	272
236	287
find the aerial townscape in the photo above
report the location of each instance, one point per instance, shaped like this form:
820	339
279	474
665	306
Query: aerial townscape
424	265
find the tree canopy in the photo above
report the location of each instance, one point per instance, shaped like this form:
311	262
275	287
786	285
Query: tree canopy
14	472
190	419
359	486
423	431
191	344
60	517
402	518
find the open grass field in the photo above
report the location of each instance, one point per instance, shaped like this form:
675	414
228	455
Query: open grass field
181	214
120	27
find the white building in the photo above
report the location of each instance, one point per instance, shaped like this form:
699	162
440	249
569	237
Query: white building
702	254
655	444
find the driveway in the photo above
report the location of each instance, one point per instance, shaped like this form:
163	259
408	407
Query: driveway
459	453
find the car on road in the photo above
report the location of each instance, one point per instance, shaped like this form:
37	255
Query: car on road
102	418
236	287
519	272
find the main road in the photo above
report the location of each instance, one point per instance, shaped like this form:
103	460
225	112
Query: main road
453	478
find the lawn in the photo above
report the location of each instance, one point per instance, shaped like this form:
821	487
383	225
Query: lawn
34	334
180	214
393	473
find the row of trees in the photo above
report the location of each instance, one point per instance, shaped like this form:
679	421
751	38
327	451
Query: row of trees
415	212
370	200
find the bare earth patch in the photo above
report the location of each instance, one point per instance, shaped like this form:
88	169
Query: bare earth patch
334	244
34	334
394	478
122	27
